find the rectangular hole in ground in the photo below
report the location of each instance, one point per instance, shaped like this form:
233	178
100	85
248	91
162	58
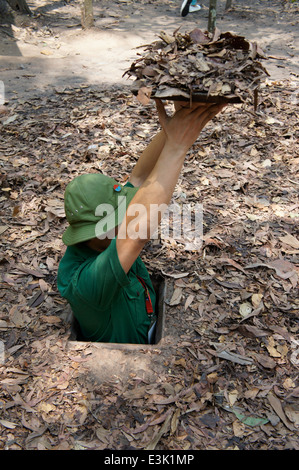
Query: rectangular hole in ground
159	285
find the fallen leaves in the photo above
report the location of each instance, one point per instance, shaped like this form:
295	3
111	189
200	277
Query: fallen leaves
199	66
230	347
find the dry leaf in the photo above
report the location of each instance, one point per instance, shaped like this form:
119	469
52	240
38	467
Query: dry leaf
256	300
174	421
46	407
245	309
271	348
283	268
163	430
7	424
176	296
232	397
189	301
265	361
144	95
3	228
277	407
292	413
290	240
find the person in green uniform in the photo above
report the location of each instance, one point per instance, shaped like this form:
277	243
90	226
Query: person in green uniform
101	274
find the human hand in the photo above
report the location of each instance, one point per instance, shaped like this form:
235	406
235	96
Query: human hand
184	127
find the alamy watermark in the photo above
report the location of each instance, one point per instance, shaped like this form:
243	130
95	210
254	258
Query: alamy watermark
180	222
2	93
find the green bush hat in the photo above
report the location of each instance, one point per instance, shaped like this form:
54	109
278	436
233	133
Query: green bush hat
94	205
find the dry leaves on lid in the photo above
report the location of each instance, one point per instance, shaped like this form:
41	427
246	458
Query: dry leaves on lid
198	66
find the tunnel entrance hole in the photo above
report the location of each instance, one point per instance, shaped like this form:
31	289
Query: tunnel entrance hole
159	285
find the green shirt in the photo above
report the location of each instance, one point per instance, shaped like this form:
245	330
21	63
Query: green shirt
108	303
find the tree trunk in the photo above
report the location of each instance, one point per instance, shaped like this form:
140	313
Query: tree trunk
212	16
3	8
86	14
19	5
228	4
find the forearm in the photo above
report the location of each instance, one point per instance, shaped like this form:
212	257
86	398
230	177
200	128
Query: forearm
156	190
148	160
146	209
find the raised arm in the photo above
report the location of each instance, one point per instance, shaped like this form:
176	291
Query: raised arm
147	160
179	133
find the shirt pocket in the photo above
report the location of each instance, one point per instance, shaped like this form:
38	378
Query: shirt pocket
136	299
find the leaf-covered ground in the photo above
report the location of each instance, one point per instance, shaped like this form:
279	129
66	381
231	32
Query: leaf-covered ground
225	375
230	351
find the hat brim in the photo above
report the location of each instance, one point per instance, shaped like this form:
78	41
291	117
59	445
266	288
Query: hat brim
79	233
